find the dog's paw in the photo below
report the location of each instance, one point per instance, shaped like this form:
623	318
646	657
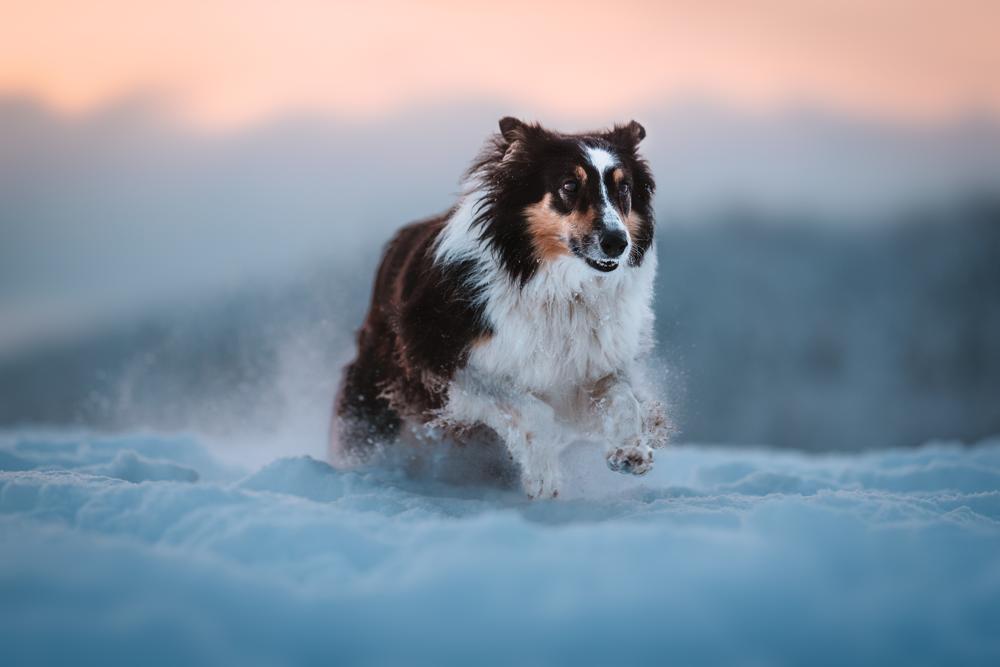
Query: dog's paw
631	459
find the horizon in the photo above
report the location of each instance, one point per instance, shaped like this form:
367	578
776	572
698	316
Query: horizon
154	109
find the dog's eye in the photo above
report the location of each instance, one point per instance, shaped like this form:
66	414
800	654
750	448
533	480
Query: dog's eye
625	189
570	186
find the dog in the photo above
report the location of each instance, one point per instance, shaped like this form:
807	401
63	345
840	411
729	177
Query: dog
522	314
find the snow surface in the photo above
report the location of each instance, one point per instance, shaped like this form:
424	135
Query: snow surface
147	550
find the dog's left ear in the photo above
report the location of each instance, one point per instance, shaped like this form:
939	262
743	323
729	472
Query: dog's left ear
628	135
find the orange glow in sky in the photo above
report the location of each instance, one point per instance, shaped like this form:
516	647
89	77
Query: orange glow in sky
227	63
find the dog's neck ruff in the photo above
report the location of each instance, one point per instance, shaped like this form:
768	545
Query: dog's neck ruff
565	327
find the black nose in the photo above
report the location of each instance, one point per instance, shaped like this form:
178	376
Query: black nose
613	242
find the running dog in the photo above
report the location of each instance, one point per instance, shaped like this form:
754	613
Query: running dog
522	314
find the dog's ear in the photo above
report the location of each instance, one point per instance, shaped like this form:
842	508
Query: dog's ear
628	135
515	135
512	129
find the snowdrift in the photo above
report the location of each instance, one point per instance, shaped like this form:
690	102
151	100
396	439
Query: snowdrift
147	550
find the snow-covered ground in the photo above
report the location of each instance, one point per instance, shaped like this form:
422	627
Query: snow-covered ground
147	550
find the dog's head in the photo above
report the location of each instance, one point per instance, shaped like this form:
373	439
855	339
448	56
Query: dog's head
547	195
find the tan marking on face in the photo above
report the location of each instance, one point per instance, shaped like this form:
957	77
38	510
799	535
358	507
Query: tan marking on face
550	230
581	174
617	175
633	222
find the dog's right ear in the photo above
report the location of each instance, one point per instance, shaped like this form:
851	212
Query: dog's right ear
512	129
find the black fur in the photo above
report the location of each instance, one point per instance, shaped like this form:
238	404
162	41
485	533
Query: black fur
420	323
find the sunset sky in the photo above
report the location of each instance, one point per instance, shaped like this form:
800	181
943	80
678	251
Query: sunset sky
229	63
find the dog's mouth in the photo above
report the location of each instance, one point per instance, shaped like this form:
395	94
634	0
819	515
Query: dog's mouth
602	265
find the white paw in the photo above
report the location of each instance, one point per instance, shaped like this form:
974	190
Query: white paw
631	459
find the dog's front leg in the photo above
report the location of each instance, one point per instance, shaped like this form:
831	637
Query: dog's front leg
527	425
619	416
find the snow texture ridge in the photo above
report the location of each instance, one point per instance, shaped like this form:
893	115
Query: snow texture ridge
146	550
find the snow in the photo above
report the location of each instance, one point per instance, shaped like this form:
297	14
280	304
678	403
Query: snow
146	549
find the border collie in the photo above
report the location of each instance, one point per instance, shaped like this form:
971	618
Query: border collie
521	314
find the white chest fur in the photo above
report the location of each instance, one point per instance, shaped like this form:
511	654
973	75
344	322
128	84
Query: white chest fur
568	326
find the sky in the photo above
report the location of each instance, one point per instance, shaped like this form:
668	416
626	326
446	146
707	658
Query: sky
229	63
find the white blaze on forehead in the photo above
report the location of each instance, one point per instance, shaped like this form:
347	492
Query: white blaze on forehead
604	160
601	159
